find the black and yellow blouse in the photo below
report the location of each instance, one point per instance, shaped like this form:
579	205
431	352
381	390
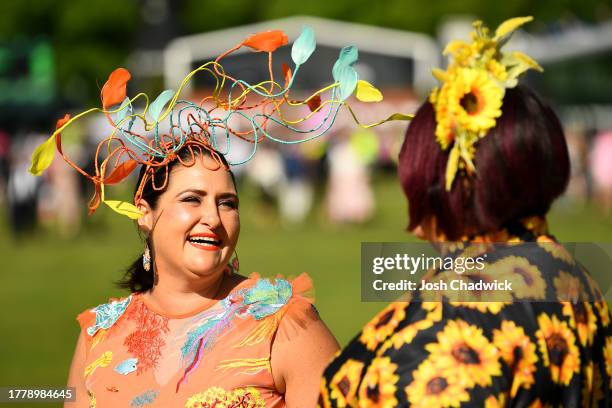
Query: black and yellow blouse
485	354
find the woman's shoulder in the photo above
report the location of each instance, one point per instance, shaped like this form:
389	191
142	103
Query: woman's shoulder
104	316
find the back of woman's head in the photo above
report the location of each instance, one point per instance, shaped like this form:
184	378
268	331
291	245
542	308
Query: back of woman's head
522	166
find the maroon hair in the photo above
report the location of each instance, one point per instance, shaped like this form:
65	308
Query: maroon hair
522	165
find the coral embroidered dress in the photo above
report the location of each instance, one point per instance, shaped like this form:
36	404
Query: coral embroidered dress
138	357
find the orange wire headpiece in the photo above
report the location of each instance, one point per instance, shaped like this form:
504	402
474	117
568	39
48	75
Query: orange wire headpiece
168	124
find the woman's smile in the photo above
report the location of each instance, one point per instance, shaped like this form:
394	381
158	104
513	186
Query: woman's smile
207	241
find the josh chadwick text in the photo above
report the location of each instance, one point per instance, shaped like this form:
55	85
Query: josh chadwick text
458	285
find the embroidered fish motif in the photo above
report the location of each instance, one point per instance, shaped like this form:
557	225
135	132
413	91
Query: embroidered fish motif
112	388
107	314
127	366
146	398
102	361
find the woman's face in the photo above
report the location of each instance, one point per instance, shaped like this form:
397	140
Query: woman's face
195	223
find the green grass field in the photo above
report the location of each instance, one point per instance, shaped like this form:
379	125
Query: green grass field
46	281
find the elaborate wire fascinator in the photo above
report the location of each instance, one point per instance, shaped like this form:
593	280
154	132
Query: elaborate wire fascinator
472	89
167	124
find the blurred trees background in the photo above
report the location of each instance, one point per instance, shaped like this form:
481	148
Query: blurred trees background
92	37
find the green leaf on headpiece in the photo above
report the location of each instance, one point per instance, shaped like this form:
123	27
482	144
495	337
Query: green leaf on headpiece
347	77
348	56
158	104
509	26
124	208
366	92
43	156
304	46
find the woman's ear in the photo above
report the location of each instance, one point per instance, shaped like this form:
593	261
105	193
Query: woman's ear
145	223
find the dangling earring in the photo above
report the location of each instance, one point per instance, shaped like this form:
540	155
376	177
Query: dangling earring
234	265
146	257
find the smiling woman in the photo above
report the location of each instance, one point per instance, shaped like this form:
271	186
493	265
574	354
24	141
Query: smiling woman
193	331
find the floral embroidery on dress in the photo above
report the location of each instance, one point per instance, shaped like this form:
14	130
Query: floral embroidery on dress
146	341
108	314
217	397
146	398
264	299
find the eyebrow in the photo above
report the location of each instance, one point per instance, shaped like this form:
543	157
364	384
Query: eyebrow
227	194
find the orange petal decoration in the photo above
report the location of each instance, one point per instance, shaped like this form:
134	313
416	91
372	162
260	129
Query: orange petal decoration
287	73
267	41
94	203
121	172
314	103
58	138
113	91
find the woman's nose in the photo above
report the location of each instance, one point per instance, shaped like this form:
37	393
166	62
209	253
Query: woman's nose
210	216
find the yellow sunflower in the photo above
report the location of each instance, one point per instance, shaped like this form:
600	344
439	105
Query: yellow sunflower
604	313
581	318
592	387
526	279
475	99
378	386
323	401
557	251
513	344
568	287
408	333
462	348
446	125
343	385
482	307
608	358
558	347
379	328
499	402
432	386
248	397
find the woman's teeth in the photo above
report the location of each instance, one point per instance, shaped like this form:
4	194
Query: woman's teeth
205	241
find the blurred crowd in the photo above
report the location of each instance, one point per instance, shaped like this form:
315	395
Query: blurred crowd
287	179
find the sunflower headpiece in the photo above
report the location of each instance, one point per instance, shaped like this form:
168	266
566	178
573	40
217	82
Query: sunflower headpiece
152	137
472	89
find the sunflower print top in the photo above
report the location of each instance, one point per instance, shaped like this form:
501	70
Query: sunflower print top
485	354
219	357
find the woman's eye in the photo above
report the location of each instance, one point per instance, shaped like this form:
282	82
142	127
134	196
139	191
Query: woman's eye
228	204
191	199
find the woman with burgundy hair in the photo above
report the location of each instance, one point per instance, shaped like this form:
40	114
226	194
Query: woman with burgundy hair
481	163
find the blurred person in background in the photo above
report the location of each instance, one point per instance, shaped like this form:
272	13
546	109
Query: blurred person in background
601	170
23	188
481	163
5	149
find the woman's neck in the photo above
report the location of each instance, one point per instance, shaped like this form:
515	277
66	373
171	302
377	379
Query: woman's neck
175	297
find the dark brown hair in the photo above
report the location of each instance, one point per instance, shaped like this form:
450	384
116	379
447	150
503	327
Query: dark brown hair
522	166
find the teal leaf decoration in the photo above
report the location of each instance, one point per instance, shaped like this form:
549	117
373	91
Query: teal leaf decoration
107	314
348	56
304	46
156	107
266	298
127	110
347	77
